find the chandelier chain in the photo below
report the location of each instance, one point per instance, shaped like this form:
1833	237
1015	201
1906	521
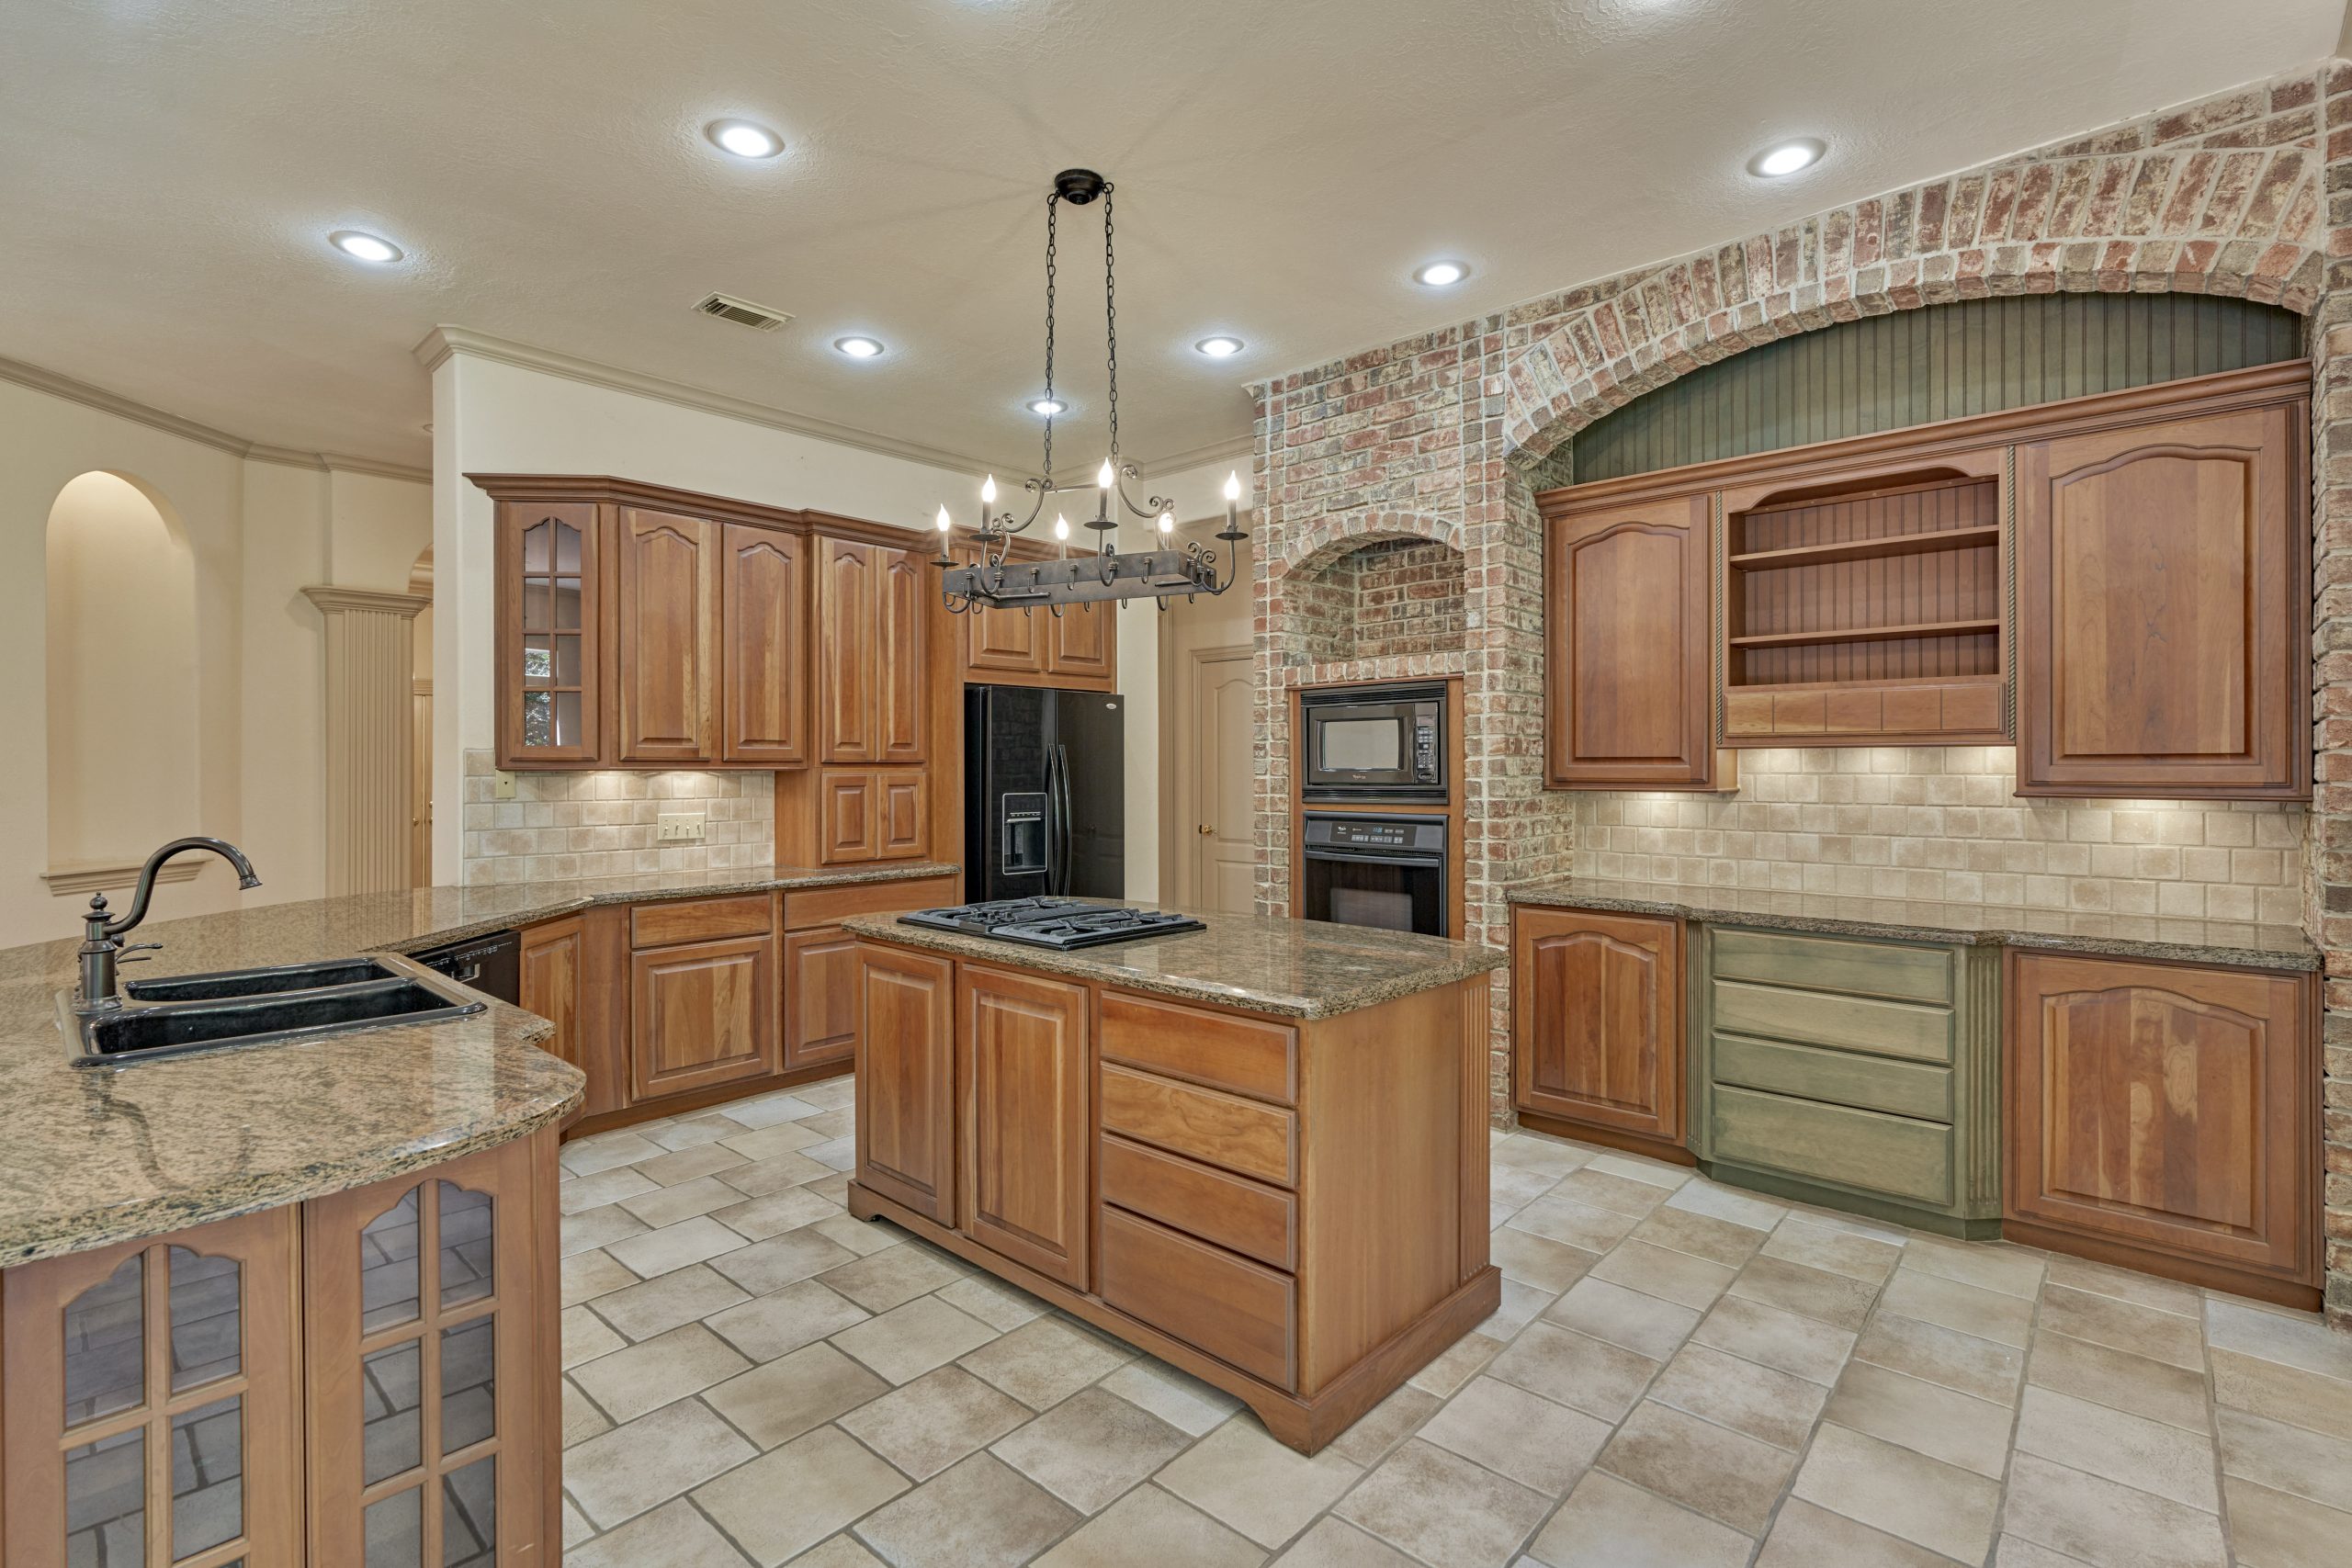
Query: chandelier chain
1111	315
1053	206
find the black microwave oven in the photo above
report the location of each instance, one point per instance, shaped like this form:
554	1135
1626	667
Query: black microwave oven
1384	743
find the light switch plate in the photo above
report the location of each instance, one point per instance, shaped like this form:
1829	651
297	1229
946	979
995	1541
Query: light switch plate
679	827
502	785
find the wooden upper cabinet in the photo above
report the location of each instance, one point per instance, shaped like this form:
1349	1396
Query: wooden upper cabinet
667	642
549	635
2166	1107
1630	692
1021	1061
1598	1020
764	709
1003	642
905	1080
2164	608
1081	642
1079	647
872	621
905	586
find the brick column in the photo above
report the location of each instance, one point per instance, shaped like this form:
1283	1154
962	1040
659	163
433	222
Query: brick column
2330	840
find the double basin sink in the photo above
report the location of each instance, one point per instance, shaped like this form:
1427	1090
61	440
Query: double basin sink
182	1013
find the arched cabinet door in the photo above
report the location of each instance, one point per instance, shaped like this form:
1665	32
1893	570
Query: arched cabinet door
1598	1020
430	1413
154	1417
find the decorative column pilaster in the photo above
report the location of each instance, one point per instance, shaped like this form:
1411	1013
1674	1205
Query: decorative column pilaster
369	666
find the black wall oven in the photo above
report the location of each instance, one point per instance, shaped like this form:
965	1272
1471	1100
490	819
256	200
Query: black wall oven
1375	742
1388	870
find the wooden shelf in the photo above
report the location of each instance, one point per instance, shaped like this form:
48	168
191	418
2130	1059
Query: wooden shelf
1870	549
1869	634
1880	683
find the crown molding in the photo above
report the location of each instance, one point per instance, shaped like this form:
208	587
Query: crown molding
331	599
1239	448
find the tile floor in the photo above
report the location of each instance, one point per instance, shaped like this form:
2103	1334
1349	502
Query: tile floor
1680	1374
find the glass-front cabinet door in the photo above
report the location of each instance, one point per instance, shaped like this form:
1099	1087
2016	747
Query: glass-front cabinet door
153	1418
549	644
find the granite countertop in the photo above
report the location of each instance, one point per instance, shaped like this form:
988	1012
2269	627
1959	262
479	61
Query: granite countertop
1306	969
95	1155
2236	943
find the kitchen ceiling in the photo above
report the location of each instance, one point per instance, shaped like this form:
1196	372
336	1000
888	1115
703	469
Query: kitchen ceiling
175	167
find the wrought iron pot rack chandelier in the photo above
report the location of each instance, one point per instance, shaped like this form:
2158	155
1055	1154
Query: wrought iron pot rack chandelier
994	582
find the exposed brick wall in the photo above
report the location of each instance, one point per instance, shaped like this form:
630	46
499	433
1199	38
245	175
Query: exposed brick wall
1449	433
1389	600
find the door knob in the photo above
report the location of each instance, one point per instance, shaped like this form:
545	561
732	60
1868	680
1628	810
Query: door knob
1204	829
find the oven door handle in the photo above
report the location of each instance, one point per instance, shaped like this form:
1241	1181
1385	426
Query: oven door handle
1433	862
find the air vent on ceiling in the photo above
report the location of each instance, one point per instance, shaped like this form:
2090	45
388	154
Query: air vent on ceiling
742	312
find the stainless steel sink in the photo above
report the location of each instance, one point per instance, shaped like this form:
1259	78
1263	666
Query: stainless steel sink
239	1008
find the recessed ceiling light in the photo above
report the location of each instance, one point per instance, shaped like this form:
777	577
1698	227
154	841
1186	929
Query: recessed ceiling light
367	247
858	347
1787	157
743	139
1050	407
1220	347
1440	273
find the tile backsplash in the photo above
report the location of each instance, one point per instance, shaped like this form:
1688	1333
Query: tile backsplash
602	824
1942	823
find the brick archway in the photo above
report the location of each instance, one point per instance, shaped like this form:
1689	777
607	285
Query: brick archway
1328	538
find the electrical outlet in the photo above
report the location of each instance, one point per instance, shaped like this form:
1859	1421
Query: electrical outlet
502	785
680	827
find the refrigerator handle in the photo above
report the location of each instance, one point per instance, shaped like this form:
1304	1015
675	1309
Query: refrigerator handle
1052	820
1069	844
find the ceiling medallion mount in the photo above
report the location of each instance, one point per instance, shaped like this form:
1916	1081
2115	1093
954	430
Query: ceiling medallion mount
990	580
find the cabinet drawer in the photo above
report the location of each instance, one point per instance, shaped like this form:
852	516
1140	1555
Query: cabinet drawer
1220	1049
1816	1018
1835	963
1866	1149
1841	1077
698	919
1242	1216
1224	1130
1234	1310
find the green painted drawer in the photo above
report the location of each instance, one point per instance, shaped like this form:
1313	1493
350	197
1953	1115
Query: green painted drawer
1908	1029
1839	1078
1836	963
1892	1155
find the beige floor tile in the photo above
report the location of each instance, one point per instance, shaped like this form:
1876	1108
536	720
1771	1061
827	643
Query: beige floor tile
2283	1393
1712	1469
1993	1265
2016	1551
2278	1529
1657	1172
691	1132
1443	1509
2286	1459
1455	1365
834	1188
768	1109
1849	1223
660	1304
828	1094
1515	1187
833	1122
1335	1544
1971	1309
606	1151
1533	1151
1244	1479
1517	1434
1537	1260
646	1376
583	1193
1928	1350
776	1140
1665	1273
893	1278
795	1393
577	1530
757	1219
865	1237
1838	1300
1804	1535
980	1514
1926	1417
1797	1240
840	1551
907	1341
1576	1370
1572	1223
790	1498
1517	1309
994	1302
2103	1523
587	1275
2126	1285
839	1153
668	1205
1091	1448
1379	1429
2302	1340
582	1419
934	1421
1178	1398
780	1260
585	1337
1790	1341
1604	1189
1702	1196
1700	1235
685	1165
2132	1450
675	1247
1905	1493
2121	1325
1149	1528
2155	1388
1774	1406
595	1227
1607	1522
1642	1324
653	1459
770	1325
777	1173
673	1536
1044	1362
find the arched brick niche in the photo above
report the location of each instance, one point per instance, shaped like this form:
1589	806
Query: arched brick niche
1373	589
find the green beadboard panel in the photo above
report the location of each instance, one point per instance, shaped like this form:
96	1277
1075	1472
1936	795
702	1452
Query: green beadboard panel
1915	367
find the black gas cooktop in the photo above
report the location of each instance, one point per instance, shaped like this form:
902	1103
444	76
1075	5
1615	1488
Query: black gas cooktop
1053	923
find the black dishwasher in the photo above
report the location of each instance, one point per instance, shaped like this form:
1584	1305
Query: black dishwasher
491	964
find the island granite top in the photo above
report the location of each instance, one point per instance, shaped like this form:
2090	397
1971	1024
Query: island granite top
1306	969
95	1155
2237	944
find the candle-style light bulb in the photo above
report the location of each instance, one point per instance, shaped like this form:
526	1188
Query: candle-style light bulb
1168	522
1233	486
1061	526
1232	503
988	490
944	523
1104	477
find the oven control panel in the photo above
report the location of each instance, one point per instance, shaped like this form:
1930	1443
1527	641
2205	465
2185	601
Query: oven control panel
1388	834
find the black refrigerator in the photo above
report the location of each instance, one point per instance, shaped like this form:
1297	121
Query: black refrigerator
1044	793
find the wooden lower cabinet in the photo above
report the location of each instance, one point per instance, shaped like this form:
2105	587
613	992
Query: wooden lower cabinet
2165	1117
906	1077
1596	1024
368	1378
702	1014
820	997
1021	1058
555	969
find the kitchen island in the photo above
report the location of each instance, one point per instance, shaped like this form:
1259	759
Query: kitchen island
1256	1150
